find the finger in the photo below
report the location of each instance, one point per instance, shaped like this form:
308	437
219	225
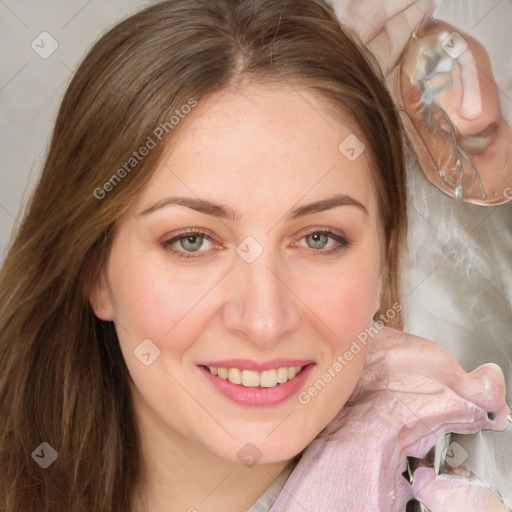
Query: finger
388	44
367	18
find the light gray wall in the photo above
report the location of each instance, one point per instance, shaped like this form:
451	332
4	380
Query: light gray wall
31	86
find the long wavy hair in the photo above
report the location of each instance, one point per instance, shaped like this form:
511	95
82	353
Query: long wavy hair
63	380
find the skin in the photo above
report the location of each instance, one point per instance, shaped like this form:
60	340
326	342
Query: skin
263	151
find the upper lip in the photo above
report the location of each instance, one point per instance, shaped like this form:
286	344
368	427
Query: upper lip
247	364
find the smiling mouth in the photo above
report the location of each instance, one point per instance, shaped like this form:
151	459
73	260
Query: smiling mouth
253	379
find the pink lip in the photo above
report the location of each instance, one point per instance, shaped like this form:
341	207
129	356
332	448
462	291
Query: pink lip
259	396
247	364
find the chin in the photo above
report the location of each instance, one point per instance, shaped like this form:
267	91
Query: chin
258	450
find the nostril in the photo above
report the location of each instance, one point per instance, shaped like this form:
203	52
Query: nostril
490	415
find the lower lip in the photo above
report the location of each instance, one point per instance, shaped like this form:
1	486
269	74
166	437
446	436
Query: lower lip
259	396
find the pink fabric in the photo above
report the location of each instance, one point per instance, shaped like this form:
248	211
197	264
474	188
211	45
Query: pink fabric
410	394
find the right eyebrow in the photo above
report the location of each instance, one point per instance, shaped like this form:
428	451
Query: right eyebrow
223	211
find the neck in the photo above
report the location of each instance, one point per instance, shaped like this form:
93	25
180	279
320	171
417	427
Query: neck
179	475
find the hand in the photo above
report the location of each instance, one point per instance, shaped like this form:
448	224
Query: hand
384	26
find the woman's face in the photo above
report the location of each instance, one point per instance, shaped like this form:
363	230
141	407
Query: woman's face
255	247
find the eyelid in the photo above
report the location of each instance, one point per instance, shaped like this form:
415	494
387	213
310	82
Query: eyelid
166	241
342	241
340	238
204	232
321	229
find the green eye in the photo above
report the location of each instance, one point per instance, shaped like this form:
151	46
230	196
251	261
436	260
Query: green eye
324	242
196	244
317	240
191	243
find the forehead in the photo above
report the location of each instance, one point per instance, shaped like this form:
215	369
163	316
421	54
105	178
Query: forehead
265	145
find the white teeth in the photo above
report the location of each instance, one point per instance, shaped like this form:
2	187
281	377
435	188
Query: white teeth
250	378
235	376
292	371
253	379
268	379
282	374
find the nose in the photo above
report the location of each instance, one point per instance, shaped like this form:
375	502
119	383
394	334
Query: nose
261	305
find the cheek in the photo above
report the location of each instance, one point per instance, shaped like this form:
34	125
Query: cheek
343	309
172	305
345	296
350	300
152	301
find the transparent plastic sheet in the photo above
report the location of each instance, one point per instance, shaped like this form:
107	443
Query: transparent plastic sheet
456	112
458	287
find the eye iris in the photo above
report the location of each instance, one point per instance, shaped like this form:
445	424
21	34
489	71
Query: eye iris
194	240
319	240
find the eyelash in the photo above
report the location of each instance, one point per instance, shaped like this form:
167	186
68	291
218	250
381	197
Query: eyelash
342	241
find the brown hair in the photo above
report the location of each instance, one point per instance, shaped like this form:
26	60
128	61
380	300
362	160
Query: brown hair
63	379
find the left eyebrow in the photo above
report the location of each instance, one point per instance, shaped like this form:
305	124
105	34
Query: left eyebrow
200	205
327	204
224	211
